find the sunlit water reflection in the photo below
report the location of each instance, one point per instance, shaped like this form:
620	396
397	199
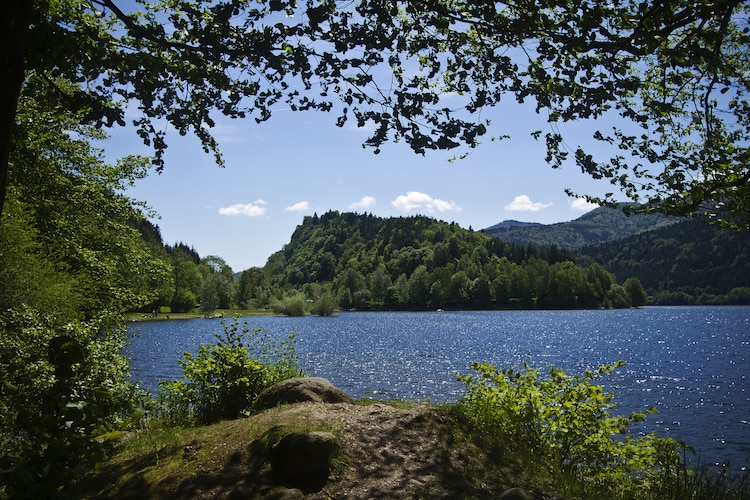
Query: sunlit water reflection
690	363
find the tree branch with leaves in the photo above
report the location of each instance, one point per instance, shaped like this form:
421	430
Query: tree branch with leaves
672	78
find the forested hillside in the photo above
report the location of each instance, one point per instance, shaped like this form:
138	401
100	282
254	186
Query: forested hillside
685	263
598	226
192	280
366	262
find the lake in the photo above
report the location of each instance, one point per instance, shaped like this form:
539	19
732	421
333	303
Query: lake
690	363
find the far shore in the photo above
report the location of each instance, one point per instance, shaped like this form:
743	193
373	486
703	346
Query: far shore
219	313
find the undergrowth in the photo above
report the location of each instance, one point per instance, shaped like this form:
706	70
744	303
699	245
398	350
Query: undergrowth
563	424
223	379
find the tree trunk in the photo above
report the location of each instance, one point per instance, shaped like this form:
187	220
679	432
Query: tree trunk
15	19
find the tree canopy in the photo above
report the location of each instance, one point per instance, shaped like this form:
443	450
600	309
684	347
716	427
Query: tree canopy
71	260
369	263
683	263
672	75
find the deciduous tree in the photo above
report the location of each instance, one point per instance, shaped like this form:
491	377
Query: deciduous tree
82	251
635	292
672	77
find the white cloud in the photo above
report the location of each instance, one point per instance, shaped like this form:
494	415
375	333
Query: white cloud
365	202
298	207
414	200
522	203
252	209
228	133
582	205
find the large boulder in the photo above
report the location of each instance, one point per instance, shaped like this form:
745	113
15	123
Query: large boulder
298	390
302	459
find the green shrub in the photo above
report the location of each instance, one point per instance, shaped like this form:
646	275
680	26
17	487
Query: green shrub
222	380
739	295
292	304
567	420
63	388
326	305
183	301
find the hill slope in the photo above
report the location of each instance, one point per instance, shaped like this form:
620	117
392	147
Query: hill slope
367	262
598	226
684	263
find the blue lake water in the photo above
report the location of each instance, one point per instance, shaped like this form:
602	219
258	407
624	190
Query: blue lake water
690	363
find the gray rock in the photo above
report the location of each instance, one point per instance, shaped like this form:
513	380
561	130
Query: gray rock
516	494
302	459
298	390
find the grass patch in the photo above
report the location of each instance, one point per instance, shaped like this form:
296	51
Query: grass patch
171	462
196	313
393	403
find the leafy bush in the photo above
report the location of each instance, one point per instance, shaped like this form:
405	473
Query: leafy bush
567	419
183	301
63	388
293	304
222	380
326	305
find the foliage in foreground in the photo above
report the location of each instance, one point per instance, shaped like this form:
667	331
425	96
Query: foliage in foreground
567	420
222	380
63	389
157	461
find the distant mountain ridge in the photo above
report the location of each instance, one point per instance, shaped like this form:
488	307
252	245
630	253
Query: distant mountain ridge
677	261
600	225
506	224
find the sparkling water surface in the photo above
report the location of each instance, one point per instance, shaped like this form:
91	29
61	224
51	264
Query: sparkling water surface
690	363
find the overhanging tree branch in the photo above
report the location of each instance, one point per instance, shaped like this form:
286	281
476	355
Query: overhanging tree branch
660	67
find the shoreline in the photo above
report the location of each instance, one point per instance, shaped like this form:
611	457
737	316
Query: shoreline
137	317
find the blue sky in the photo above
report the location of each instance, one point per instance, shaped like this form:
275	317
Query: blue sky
300	163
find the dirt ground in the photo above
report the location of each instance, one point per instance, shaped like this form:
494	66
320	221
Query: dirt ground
385	452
